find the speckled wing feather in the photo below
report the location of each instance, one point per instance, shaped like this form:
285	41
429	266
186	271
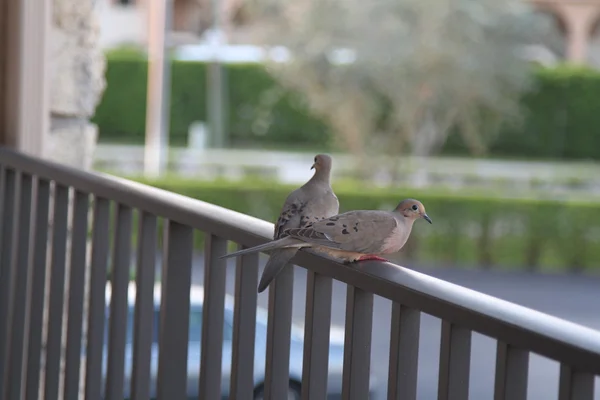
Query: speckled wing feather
290	217
356	231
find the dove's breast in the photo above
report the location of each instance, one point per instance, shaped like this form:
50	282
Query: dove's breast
397	239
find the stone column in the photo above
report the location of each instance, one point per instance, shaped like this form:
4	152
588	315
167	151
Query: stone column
24	26
76	82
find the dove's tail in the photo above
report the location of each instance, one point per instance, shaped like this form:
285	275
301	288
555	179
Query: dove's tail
275	244
277	261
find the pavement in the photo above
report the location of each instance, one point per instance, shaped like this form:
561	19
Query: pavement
575	298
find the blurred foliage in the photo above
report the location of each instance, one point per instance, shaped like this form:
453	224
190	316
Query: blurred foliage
478	231
260	111
127	52
560	117
437	67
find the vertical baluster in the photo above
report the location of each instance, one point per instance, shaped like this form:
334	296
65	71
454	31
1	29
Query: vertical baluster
97	305
175	311
455	360
57	286
118	304
144	306
244	328
316	336
18	339
357	344
279	325
6	272
2	195
81	206
404	353
38	283
512	368
215	274
575	385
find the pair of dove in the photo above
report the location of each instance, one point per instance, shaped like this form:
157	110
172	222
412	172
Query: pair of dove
309	218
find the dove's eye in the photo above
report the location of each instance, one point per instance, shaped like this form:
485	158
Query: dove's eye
415	207
315	159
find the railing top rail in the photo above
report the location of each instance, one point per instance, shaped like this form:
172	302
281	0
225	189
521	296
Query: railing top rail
519	326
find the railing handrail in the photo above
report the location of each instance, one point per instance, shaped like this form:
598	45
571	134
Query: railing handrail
516	325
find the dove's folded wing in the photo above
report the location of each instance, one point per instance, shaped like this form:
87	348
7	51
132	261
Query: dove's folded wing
355	231
289	218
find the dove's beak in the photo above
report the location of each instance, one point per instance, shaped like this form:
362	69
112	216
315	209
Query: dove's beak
426	218
313	166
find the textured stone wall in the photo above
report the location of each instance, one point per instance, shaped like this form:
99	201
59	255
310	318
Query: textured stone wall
76	82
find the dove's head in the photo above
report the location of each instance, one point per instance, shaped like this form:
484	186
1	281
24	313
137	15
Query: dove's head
412	209
322	163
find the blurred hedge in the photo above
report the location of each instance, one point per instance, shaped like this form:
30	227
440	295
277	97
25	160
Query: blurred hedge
471	230
561	113
121	114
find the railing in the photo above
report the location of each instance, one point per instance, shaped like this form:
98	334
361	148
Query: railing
29	186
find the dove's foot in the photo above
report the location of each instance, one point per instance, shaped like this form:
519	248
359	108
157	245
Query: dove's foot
372	257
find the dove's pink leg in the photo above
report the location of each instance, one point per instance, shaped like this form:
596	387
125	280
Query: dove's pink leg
371	257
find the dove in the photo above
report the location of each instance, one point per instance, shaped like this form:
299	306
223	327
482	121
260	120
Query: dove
354	235
309	203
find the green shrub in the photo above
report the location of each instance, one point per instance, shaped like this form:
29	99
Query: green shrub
127	52
259	110
468	229
561	118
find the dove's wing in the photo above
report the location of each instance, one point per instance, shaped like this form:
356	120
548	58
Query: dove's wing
305	206
356	231
291	215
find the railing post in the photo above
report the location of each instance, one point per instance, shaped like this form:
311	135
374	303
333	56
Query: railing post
512	368
316	336
175	311
20	302
215	274
97	293
56	295
455	360
76	294
279	328
118	303
357	344
244	328
574	385
38	286
6	271
404	353
144	306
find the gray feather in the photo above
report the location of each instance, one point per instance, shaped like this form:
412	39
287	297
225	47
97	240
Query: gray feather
281	243
277	261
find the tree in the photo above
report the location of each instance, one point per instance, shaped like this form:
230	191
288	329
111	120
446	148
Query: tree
397	76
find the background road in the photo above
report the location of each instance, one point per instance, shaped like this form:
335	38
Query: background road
575	298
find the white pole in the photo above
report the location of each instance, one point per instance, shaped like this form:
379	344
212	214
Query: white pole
157	105
216	117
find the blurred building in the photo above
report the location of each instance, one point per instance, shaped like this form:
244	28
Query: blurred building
578	21
123	22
